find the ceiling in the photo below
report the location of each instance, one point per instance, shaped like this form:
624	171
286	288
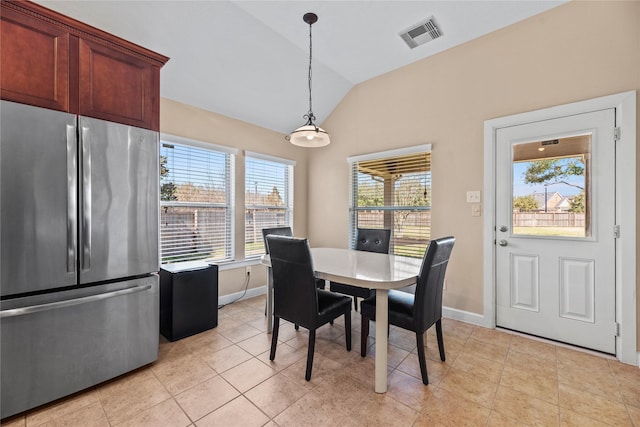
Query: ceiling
249	59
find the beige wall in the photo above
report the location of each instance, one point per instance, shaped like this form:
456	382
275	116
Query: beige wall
577	51
190	122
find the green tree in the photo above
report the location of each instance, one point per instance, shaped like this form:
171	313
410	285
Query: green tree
410	191
576	203
167	189
525	203
274	197
554	171
371	194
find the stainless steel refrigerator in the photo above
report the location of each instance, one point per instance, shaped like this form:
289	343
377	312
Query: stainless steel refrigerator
78	254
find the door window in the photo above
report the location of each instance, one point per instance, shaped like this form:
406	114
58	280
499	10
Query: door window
551	187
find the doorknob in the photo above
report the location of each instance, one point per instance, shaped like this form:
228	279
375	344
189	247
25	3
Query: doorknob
503	228
502	242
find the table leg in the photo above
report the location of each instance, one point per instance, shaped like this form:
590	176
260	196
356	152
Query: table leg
382	320
269	300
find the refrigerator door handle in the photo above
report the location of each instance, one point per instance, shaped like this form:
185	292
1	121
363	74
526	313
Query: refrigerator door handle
86	198
72	199
68	303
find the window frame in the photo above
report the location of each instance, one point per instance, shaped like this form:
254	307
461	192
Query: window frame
229	206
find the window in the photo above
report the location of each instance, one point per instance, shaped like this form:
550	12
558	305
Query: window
392	190
268	193
196	200
551	183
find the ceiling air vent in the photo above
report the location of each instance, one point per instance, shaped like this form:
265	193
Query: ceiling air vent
421	33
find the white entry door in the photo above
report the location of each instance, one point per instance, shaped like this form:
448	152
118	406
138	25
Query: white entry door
555	230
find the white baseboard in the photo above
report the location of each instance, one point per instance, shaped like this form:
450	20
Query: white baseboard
450	313
238	296
464	316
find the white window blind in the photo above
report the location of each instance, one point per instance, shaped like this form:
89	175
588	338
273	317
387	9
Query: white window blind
196	201
268	198
393	190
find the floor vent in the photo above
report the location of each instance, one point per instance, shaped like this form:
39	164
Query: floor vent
421	33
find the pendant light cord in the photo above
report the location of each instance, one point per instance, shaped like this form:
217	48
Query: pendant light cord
310	115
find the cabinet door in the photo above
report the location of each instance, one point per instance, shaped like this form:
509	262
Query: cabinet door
118	87
34	61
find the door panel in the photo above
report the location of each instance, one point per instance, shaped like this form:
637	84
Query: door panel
119	201
577	289
555	256
525	282
38	217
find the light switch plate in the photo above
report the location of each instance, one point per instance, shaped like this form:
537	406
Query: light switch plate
476	209
473	196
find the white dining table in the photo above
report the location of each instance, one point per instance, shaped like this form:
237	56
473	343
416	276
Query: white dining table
367	270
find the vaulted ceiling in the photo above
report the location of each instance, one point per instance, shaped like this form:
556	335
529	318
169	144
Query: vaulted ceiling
249	59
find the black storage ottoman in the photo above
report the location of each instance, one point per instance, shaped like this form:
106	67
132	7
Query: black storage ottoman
188	299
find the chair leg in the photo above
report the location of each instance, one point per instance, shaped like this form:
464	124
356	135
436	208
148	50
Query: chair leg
421	357
440	340
312	344
364	335
274	337
296	326
347	329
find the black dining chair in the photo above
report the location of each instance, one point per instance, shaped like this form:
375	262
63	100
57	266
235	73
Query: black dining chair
369	240
277	231
282	231
417	312
296	297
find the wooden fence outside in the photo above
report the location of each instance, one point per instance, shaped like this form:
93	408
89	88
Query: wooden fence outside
548	219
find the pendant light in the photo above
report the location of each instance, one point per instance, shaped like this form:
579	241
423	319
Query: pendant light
309	135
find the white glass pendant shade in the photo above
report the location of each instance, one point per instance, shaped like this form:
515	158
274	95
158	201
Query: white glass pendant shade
309	136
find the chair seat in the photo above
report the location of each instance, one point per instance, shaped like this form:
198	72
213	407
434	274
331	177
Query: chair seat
400	309
331	306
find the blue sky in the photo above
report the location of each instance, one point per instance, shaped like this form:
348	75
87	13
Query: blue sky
522	189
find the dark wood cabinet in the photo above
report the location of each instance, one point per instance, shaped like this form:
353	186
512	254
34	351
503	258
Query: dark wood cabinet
52	61
34	61
117	87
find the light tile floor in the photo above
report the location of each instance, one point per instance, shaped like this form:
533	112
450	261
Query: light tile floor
223	377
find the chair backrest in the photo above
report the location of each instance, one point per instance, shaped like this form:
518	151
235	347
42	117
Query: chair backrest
373	240
295	295
428	297
278	231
